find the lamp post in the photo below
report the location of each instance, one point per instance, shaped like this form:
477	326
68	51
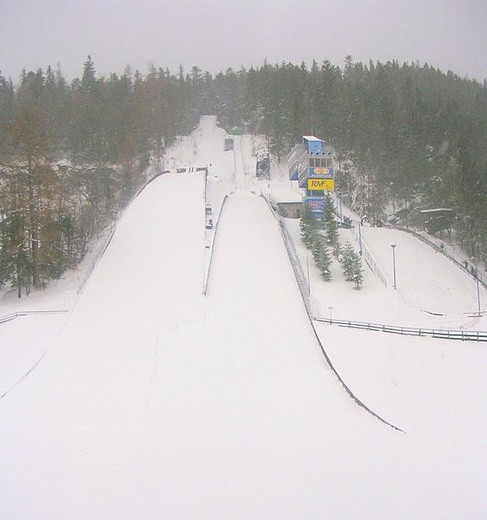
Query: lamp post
394	265
476	274
307	268
330	309
360	237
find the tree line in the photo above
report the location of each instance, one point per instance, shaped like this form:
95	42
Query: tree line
72	154
407	136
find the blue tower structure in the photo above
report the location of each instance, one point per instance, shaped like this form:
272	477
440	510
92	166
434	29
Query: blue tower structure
311	164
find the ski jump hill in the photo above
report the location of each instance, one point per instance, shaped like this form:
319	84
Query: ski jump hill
153	400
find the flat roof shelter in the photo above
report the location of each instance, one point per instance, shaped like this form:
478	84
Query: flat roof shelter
290	209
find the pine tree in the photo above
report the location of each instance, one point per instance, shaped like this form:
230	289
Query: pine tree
308	225
352	266
321	256
347	261
317	245
32	185
329	225
357	271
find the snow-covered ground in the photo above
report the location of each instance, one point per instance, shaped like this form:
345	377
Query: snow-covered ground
151	400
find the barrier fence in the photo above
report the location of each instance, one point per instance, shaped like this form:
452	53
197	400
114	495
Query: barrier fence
293	255
409	331
215	234
304	289
450	252
368	257
13	315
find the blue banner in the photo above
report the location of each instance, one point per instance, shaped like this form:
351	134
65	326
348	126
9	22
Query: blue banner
322	173
316	204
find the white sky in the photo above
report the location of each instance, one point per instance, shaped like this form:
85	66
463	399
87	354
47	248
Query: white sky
217	34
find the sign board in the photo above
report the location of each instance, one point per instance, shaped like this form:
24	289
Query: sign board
316	204
321	184
322	173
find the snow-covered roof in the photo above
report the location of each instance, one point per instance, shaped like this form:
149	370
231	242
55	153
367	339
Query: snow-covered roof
312	138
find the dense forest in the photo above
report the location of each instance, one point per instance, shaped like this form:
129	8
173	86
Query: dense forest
73	154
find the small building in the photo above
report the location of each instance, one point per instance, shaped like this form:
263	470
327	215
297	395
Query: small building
290	209
437	219
228	145
262	168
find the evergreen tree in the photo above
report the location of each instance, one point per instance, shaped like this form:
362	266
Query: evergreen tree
329	225
410	136
352	265
347	261
321	255
357	271
31	184
308	225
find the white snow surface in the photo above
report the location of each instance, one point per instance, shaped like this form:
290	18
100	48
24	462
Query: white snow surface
150	400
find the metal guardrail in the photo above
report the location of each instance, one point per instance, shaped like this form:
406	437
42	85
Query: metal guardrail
409	331
368	256
292	253
13	315
215	234
305	297
449	251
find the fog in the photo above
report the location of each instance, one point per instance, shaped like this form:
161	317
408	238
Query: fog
218	34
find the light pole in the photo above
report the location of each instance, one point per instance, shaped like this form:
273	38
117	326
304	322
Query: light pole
360	237
394	265
307	268
330	309
476	274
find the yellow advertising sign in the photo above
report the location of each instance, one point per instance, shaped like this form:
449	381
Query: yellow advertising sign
321	184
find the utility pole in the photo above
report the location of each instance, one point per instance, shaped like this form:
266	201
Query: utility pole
476	274
394	264
307	268
360	238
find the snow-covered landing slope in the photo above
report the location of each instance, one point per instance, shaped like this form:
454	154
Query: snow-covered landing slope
156	402
248	422
80	409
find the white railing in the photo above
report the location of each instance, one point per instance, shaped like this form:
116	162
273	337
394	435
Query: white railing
409	331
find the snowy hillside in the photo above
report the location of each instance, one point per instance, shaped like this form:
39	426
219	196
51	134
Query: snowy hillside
150	400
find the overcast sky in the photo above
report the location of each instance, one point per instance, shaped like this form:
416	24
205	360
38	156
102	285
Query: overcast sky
218	34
